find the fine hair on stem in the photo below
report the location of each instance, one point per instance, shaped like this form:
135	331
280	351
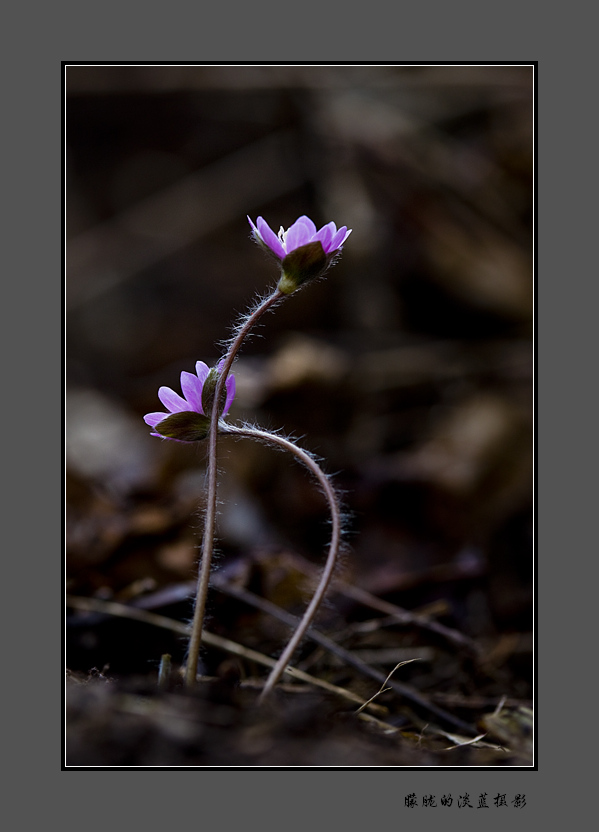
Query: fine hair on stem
306	459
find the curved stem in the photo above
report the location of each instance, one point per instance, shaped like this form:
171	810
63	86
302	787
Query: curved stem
327	574
195	640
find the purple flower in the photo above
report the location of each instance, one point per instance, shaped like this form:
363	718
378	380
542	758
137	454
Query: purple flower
302	252
302	232
194	406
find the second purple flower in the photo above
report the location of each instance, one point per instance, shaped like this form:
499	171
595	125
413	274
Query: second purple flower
188	419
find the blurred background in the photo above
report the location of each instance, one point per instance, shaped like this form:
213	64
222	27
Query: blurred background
408	369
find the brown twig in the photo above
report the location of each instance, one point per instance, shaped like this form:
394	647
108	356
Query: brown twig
403	616
382	688
125	611
345	655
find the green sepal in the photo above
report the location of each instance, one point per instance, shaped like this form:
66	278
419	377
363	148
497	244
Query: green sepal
301	265
209	389
187	426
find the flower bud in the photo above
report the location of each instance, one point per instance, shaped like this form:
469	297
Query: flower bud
301	265
187	426
209	390
188	419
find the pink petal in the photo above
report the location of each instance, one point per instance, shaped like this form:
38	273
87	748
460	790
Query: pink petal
202	371
270	238
230	388
298	235
325	235
192	390
172	401
307	222
152	419
339	239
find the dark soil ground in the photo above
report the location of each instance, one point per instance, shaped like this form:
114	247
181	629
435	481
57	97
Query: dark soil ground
408	371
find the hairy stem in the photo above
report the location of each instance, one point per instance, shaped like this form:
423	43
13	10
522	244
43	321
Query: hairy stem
327	574
195	640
